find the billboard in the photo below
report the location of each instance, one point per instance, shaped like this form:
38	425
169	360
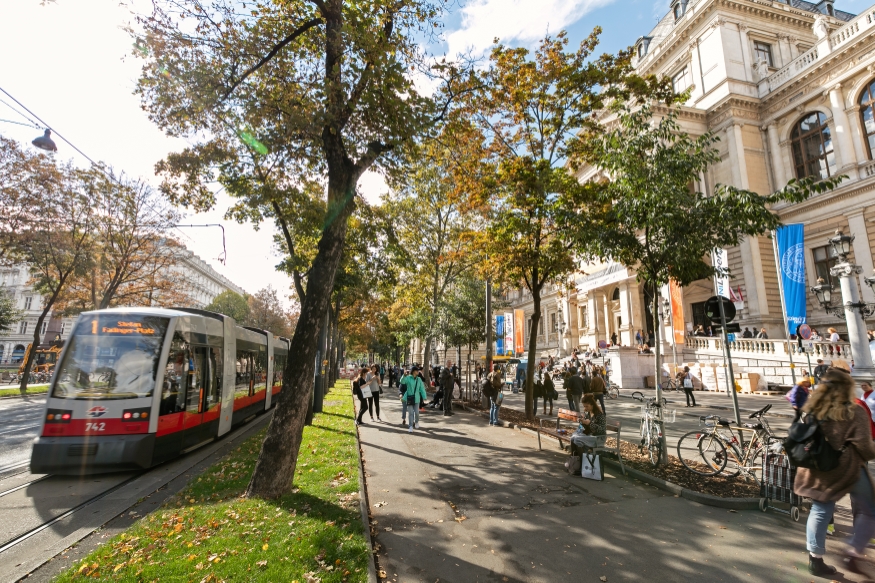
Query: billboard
499	335
791	251
677	312
508	332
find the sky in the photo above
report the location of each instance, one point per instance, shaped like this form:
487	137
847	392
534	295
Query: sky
69	62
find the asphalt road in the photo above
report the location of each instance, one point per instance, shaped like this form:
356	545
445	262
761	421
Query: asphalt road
19	425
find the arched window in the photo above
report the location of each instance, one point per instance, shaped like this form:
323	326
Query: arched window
616	295
867	110
812	147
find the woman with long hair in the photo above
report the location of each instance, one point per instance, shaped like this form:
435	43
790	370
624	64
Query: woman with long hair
375	382
846	427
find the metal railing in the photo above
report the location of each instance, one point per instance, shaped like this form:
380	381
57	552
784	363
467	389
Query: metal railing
766	347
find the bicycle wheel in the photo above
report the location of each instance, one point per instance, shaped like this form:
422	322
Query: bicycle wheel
654	444
702	453
753	464
613	393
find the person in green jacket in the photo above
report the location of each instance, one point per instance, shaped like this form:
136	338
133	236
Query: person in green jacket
414	390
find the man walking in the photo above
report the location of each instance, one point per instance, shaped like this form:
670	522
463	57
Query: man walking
574	386
820	370
446	380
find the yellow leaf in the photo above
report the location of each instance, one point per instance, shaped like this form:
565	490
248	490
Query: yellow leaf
191	557
117	567
178	528
264	546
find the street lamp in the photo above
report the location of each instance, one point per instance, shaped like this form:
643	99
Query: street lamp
45	142
853	310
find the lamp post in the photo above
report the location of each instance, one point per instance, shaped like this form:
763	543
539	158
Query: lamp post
853	310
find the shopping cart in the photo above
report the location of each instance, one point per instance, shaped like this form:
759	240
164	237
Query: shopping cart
777	482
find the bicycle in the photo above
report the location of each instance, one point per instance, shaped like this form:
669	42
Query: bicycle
613	391
708	452
651	427
672	385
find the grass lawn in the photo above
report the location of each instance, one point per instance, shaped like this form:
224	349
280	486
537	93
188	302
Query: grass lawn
31	390
207	533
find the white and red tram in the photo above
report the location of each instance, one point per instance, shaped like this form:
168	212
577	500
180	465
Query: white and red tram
138	386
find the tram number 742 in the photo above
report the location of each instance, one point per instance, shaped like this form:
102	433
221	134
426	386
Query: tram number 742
95	426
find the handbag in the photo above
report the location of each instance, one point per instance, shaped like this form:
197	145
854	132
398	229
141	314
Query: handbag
591	467
499	398
688	382
366	391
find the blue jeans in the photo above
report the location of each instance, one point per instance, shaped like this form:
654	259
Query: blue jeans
413	419
493	411
863	509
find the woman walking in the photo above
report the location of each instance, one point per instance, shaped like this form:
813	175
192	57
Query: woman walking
376	385
686	380
413	394
357	391
549	387
845	425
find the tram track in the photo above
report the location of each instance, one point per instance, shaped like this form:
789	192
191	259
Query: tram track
25	485
5	546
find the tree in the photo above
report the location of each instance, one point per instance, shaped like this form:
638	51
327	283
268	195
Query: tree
651	205
429	233
325	85
231	304
132	259
266	312
55	249
528	113
9	313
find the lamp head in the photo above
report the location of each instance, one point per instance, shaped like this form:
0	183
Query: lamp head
45	142
823	292
841	244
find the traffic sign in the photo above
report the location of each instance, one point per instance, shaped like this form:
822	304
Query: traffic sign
712	308
808	345
603	344
804	331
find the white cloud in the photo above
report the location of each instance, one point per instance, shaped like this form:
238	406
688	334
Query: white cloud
523	21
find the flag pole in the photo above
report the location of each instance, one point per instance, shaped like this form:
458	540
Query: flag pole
784	305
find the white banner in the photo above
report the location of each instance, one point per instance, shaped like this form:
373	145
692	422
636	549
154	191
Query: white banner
613	273
508	332
720	260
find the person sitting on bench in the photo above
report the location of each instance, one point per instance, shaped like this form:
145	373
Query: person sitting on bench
592	432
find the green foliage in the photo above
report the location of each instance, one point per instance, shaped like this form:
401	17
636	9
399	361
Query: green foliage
9	312
208	529
231	304
463	317
655	220
266	312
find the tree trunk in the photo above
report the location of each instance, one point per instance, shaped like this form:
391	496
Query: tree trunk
275	468
532	356
658	378
31	354
426	362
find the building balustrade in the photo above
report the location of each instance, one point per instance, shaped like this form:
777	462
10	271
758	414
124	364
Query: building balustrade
752	347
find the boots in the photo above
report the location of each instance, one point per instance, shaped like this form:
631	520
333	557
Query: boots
816	566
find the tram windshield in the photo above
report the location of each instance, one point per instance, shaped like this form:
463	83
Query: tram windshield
112	356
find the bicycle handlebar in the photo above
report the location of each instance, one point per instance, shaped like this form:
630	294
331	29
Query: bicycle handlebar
761	412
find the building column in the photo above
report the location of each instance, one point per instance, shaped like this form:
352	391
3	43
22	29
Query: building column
626	332
857	132
746	54
592	315
735	144
862	252
847	155
778	170
609	325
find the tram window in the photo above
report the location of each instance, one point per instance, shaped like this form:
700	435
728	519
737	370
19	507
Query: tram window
243	384
261	370
199	383
278	368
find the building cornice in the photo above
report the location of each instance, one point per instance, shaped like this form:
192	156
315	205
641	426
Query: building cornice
828	198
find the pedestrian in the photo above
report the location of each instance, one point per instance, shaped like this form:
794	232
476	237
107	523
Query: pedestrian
833	335
414	395
798	396
538	393
402	389
447	382
747	333
686	381
357	384
762	335
597	386
574	389
372	379
549	388
592	431
382	372
493	384
820	370
845	425
638	338
700	331
614	338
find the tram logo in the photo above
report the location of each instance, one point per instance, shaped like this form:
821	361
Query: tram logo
96	411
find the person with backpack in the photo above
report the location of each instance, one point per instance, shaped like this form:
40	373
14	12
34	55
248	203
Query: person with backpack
492	388
575	387
414	394
447	381
841	444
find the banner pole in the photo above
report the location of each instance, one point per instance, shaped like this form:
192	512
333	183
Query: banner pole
784	305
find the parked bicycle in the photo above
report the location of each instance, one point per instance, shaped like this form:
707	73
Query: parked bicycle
613	391
672	385
716	449
652	435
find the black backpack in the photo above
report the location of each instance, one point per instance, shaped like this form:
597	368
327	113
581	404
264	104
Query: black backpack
807	447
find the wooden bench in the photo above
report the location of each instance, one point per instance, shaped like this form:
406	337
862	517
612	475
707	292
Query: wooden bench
547	427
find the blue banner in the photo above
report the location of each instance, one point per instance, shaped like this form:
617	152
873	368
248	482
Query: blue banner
791	252
499	335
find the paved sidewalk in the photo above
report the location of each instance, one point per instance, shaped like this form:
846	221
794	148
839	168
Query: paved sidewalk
459	501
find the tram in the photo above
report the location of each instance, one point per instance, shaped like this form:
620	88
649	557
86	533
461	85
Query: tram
138	386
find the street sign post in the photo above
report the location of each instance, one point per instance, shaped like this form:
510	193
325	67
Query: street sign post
804	331
602	344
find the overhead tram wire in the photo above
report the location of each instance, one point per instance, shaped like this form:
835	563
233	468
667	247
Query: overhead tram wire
222	258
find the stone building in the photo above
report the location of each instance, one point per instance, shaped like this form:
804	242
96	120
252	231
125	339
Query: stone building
202	283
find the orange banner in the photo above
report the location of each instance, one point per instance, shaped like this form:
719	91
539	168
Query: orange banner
677	312
519	332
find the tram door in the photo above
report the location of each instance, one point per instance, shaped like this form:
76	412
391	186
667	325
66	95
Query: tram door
195	431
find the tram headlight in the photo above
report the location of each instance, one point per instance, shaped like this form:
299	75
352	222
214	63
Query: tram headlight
58	416
136	414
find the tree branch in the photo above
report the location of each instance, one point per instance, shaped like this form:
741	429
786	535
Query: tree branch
369	157
301	30
296	275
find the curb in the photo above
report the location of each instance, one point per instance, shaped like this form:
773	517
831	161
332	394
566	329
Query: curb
20	396
363	506
721	408
671	487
